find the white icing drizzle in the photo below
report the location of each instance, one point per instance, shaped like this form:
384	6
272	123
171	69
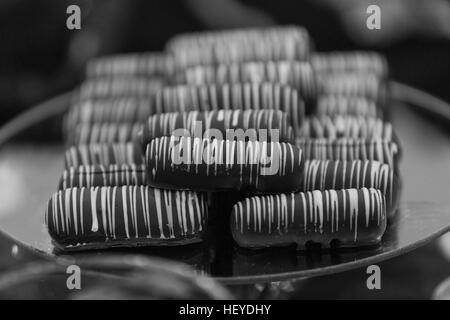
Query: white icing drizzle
157	195
168	205
61	210
104	211
93	199
75	210
67	209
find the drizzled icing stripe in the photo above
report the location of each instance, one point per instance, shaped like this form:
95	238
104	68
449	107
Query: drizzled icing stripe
251	164
352	216
105	133
102	176
346	127
261	125
103	154
108	214
336	175
350	149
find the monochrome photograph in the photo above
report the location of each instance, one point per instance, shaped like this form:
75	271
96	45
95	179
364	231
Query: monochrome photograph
231	156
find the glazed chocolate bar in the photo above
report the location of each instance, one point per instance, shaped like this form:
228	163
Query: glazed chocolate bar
348	218
261	125
223	165
127	216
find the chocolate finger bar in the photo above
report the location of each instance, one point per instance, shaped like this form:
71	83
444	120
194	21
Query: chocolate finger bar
347	218
261	125
128	216
220	165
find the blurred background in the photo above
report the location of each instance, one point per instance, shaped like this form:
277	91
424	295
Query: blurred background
40	58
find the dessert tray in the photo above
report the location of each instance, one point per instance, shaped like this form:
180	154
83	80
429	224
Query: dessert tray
30	170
